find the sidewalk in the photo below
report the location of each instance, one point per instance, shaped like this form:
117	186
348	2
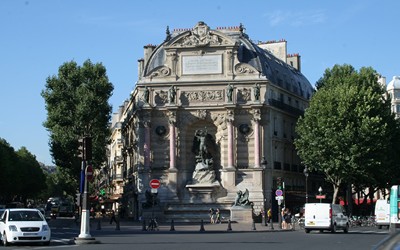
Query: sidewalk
128	225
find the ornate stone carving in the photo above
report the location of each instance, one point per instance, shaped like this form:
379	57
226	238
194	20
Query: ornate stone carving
202	36
204	96
161	97
244	95
256	115
201	114
160	72
171	117
243	68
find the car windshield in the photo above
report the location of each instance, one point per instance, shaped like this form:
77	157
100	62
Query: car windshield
24	215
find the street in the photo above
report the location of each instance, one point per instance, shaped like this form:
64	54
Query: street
242	236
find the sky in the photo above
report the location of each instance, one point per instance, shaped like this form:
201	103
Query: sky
38	36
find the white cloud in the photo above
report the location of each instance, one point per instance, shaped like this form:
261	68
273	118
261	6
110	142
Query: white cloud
296	18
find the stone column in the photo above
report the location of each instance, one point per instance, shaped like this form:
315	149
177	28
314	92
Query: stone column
229	121
146	146
172	141
173	171
256	128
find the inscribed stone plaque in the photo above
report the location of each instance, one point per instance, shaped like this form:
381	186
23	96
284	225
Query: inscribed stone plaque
197	65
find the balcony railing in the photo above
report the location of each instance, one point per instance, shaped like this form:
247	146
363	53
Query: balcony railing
285	107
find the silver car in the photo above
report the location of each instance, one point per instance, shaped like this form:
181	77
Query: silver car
24	225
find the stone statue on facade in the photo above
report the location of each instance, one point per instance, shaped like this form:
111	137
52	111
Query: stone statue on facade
172	94
257	92
229	92
242	198
203	144
146	94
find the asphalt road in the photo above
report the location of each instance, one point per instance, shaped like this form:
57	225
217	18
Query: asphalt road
243	237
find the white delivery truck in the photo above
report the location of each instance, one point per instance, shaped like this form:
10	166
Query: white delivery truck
325	216
382	213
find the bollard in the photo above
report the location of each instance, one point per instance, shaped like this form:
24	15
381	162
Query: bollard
144	225
117	228
229	226
172	226
98	225
202	226
253	226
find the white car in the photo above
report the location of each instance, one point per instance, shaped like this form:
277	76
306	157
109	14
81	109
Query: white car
24	225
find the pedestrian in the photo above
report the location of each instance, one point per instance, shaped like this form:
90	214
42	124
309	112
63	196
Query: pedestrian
269	214
212	215
113	217
288	219
218	216
283	217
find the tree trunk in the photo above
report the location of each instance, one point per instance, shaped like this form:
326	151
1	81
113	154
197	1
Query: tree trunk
335	193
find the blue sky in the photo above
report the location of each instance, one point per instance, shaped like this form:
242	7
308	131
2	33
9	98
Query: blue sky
38	36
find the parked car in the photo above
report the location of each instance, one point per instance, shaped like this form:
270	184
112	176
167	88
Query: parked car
325	216
22	225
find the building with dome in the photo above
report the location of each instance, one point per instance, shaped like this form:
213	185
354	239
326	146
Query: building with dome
393	89
212	117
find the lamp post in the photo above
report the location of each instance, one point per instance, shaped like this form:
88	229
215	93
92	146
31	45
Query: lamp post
306	175
320	194
265	166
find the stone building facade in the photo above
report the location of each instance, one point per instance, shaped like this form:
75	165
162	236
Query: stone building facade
212	114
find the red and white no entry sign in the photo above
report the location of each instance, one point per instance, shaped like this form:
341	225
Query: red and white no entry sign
154	183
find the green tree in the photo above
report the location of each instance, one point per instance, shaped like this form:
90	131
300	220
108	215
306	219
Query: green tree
30	175
348	131
77	105
8	160
20	173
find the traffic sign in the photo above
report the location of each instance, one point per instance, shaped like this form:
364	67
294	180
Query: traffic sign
278	198
278	192
89	173
321	196
154	183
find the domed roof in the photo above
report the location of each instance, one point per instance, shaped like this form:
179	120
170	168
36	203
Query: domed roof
275	70
394	83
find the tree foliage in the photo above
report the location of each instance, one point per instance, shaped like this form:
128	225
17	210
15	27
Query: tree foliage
77	106
348	132
20	173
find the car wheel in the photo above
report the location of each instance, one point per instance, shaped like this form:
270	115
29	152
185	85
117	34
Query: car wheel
334	228
346	229
5	242
380	227
307	231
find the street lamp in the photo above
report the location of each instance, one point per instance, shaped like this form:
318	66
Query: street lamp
320	194
265	166
306	175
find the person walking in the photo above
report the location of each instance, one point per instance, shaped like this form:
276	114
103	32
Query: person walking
113	219
212	215
218	216
269	215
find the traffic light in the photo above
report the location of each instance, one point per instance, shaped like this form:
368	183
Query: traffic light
279	183
88	148
81	151
78	199
85	148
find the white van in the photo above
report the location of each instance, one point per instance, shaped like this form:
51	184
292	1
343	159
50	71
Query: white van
325	216
382	213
